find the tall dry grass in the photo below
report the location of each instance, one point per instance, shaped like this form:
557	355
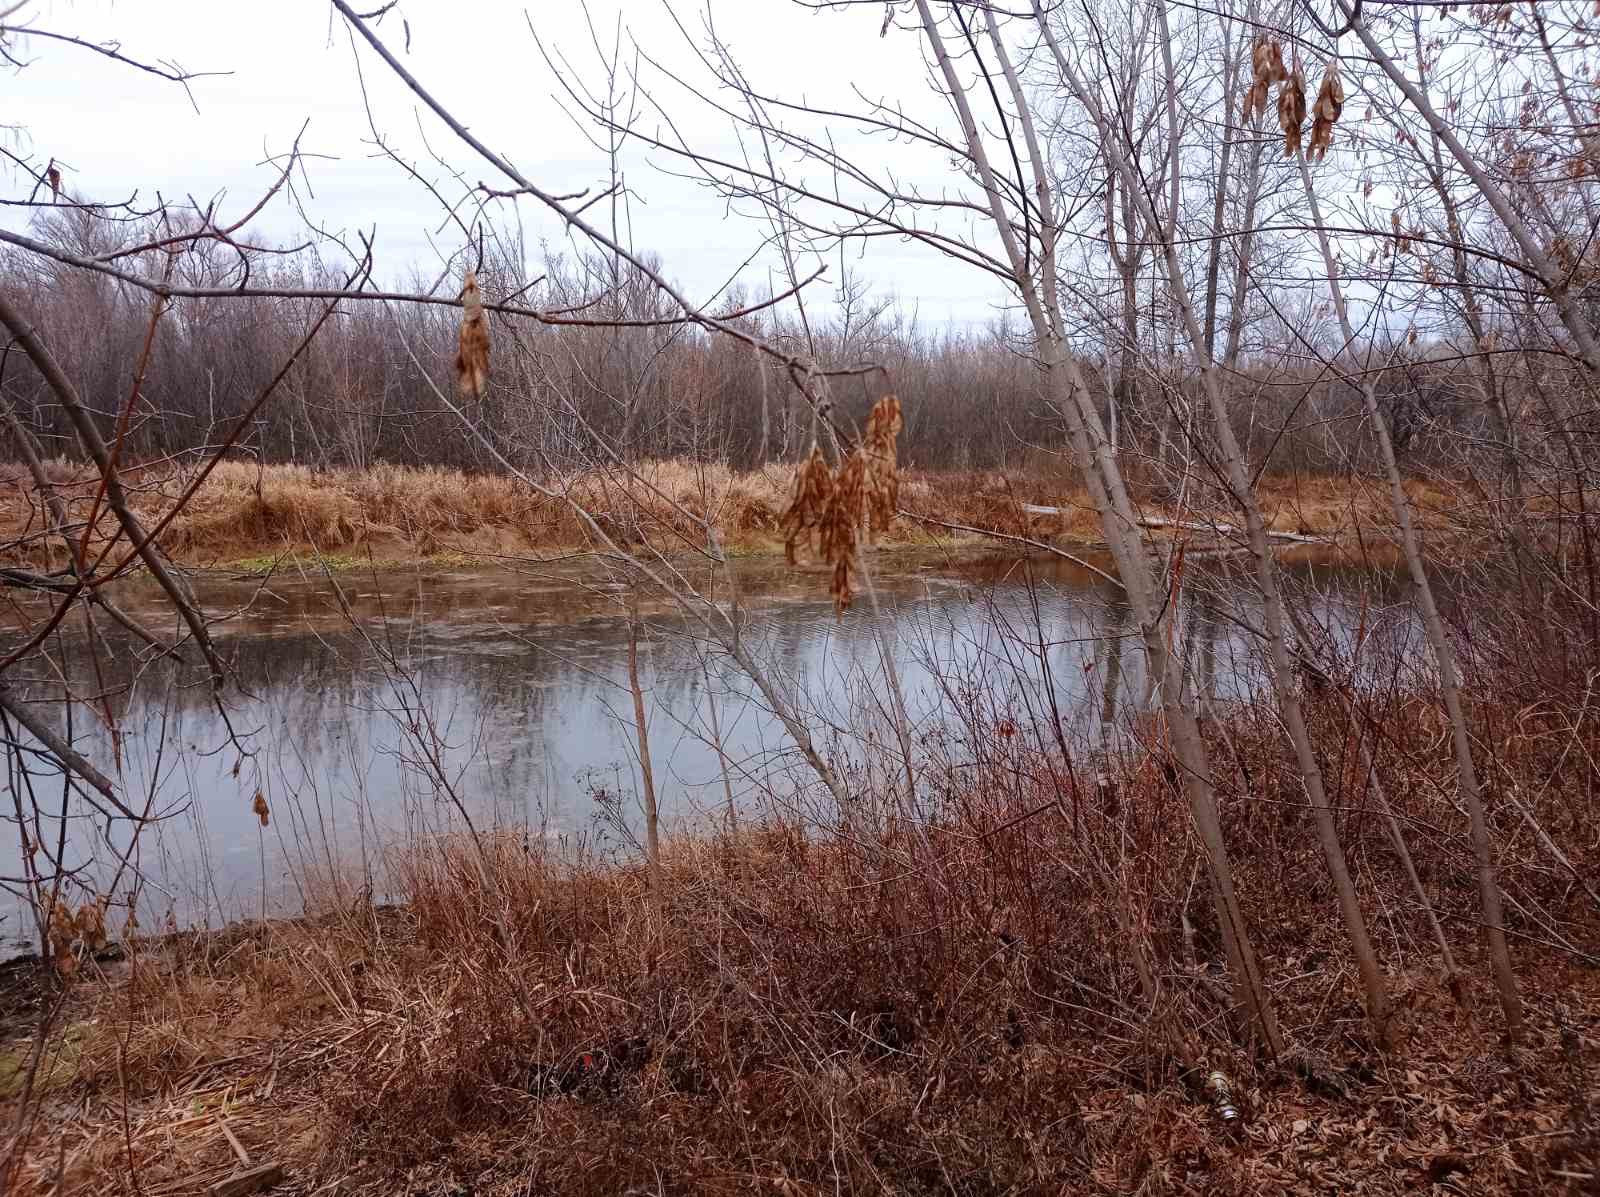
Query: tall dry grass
849	1005
248	511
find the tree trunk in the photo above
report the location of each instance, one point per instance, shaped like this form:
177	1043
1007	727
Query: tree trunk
652	824
1443	654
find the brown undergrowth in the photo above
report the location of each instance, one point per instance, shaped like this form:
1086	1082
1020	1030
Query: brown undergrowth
400	514
845	1006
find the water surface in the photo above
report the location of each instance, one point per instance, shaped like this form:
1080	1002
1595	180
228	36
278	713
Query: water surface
368	707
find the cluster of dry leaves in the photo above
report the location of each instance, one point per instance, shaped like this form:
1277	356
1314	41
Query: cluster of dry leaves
865	489
1267	68
472	353
69	931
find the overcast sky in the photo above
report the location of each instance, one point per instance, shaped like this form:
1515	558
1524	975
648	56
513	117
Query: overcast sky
117	130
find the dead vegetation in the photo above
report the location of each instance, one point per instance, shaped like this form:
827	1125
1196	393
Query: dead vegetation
396	513
472	352
1000	978
850	1007
864	492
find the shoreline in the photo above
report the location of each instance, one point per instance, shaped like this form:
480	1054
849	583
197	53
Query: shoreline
486	1033
246	518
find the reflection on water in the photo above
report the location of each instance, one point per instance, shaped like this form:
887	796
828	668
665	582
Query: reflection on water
511	699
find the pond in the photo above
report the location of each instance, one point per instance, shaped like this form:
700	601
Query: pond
369	706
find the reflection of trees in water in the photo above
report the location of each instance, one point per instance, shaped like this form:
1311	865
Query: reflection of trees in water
526	714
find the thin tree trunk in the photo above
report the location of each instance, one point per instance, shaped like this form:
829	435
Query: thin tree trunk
1443	653
1239	482
1500	421
1109	494
652	823
1230	68
1555	285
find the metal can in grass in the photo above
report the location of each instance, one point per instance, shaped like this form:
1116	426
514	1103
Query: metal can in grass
1221	1094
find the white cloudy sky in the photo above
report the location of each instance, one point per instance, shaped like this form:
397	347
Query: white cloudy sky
117	130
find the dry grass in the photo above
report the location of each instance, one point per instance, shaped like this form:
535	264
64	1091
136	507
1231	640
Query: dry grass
244	510
851	1008
399	513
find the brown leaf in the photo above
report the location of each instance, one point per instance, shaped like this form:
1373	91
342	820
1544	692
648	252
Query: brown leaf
259	806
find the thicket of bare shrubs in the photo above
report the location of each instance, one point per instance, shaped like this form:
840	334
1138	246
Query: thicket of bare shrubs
974	954
951	1008
971	400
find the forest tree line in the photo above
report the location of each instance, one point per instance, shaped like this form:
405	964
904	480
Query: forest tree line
364	391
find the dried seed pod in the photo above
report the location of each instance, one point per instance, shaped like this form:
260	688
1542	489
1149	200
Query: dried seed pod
1255	100
472	353
1327	110
864	490
1402	242
1560	252
91	926
813	490
61	928
1266	60
843	522
1292	111
1266	66
882	472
